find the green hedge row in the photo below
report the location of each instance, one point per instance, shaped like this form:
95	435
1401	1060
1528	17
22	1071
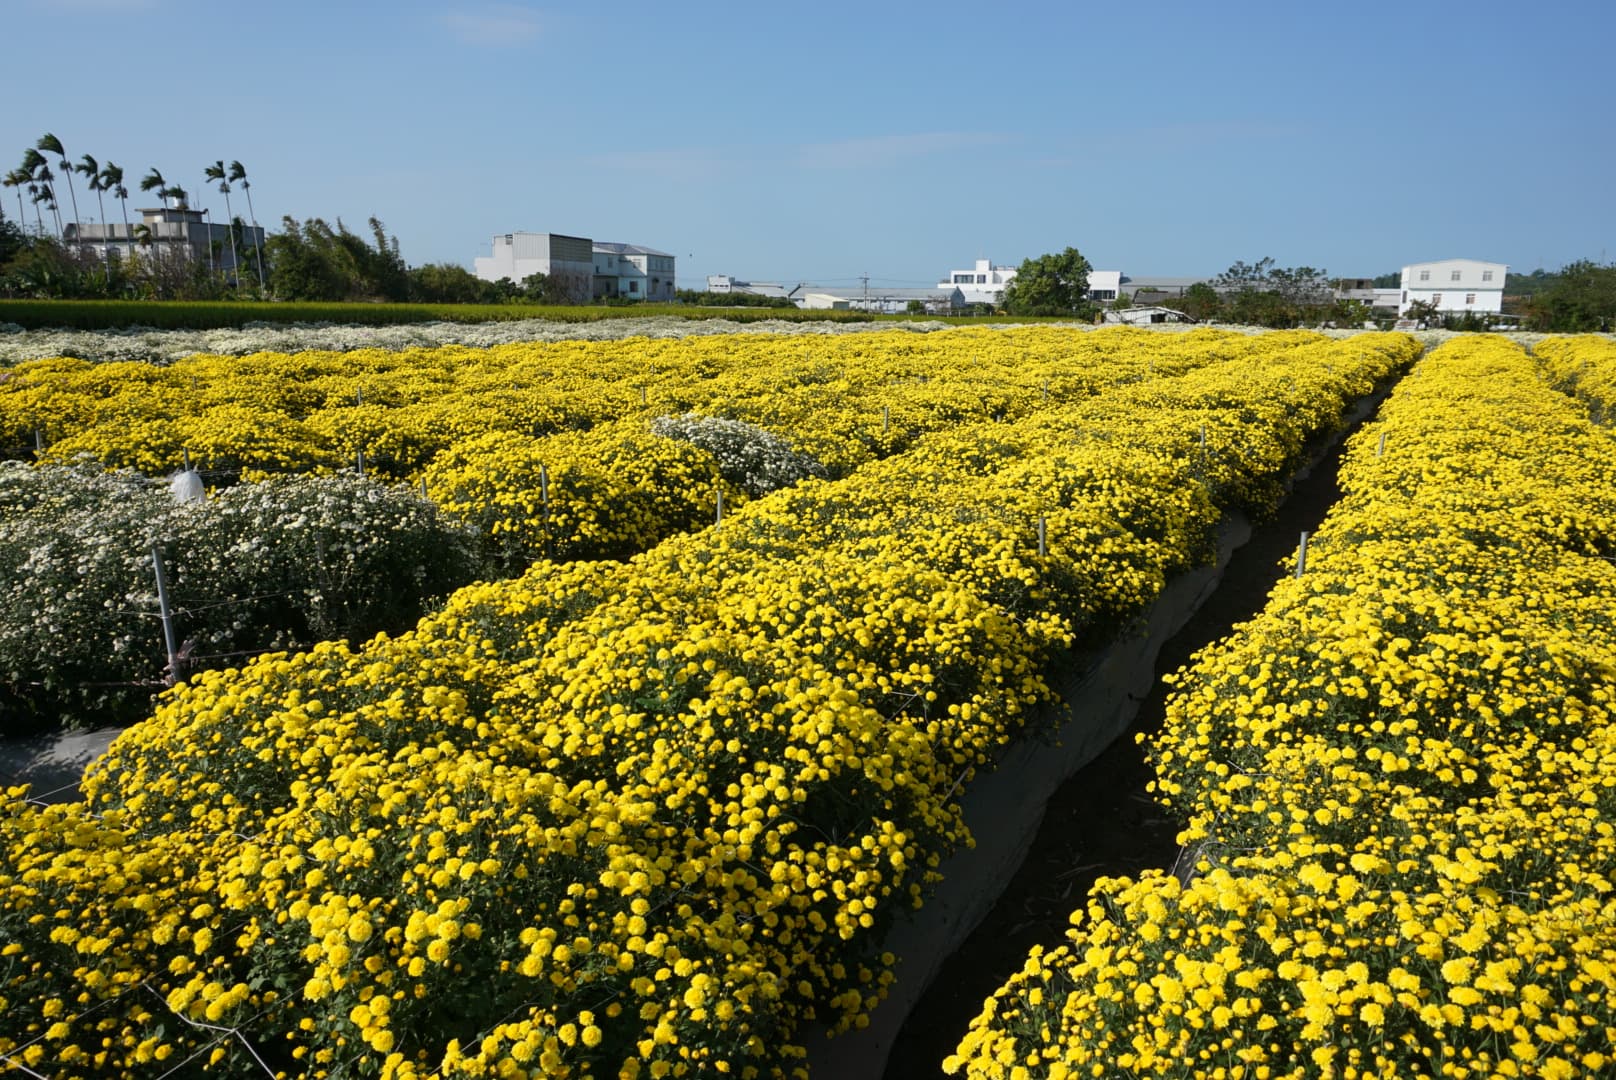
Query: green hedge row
209	315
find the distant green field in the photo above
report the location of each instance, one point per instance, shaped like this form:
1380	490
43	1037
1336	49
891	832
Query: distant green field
179	315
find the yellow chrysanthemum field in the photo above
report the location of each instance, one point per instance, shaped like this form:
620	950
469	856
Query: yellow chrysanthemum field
1399	780
648	807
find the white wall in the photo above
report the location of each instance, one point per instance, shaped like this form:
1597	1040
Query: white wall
1454	285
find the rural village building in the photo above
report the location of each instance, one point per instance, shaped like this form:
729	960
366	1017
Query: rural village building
170	230
566	260
723	283
639	273
585	269
1455	285
984	283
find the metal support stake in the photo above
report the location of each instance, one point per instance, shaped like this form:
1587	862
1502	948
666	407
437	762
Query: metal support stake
1301	556
167	615
1043	537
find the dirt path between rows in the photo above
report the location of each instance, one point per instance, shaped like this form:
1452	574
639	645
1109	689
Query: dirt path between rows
1101	823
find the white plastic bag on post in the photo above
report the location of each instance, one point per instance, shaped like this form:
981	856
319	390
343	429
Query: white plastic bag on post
186	487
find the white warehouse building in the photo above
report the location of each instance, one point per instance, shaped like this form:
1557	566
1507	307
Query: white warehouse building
586	269
569	260
1455	285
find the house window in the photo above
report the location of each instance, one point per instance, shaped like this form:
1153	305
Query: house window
1425	275
1486	275
634	286
1436	299
1470	298
1455	275
981	279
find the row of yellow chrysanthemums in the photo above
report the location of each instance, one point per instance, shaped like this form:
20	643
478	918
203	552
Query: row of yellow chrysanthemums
1400	783
636	819
547	448
845	399
1584	366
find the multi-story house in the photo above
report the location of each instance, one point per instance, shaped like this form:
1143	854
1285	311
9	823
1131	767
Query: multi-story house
1455	285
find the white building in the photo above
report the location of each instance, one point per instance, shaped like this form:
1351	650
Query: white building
568	260
1104	285
639	273
1454	286
172	230
984	283
724	283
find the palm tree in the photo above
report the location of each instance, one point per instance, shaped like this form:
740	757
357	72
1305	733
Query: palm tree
50	143
238	172
91	168
216	172
112	180
153	181
39	176
18	179
44	191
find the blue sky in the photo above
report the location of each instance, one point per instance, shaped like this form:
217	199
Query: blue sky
819	142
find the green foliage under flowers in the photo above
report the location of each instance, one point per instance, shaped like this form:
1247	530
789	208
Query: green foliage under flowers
276	565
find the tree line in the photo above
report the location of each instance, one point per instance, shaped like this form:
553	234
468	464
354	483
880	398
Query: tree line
1578	298
1257	294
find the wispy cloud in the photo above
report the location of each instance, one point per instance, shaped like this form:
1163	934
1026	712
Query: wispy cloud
879	151
498	25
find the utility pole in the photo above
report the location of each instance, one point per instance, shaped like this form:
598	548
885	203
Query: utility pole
866	279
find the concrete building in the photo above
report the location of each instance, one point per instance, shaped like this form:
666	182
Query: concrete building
172	231
1104	285
1455	285
569	260
985	283
982	284
724	283
639	273
881	301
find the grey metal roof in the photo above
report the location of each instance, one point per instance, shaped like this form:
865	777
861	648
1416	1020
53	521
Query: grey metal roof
858	292
1146	281
628	249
